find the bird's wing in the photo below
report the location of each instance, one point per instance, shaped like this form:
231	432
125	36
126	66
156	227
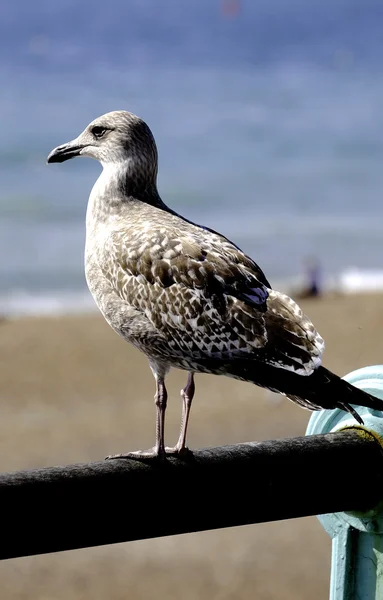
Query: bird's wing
293	342
204	295
199	260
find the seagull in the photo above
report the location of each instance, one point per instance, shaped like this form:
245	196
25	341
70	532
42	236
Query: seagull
185	295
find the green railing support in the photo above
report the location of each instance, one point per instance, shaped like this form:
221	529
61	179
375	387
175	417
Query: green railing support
357	538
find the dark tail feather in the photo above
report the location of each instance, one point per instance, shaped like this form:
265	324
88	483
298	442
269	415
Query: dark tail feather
320	390
348	408
326	390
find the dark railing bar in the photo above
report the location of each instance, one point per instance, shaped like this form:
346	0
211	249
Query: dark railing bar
77	506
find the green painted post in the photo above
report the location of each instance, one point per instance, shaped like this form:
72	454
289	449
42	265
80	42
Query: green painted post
357	538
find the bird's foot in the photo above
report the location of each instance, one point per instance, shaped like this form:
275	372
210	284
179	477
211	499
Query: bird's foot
139	454
177	451
151	454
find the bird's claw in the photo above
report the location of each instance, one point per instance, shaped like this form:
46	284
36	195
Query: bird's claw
137	455
177	451
151	454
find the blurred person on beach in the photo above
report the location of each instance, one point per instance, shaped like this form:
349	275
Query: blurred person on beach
313	274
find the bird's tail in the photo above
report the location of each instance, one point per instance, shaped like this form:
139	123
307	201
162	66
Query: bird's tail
320	390
324	389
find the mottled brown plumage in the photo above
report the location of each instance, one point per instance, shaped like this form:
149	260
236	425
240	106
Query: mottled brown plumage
183	294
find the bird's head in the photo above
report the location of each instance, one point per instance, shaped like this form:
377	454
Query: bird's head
114	138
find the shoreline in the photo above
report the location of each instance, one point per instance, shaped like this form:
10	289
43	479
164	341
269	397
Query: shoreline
41	306
20	303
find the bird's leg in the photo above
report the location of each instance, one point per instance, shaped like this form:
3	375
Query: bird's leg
160	399
187	395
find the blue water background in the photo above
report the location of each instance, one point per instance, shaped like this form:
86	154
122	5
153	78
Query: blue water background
268	117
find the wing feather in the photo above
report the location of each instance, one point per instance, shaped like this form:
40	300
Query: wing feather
209	300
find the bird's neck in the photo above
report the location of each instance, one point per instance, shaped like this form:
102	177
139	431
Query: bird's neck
118	186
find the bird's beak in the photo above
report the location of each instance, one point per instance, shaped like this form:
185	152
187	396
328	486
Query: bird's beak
65	152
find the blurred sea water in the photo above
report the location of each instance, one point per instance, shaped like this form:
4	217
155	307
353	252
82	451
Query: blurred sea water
268	118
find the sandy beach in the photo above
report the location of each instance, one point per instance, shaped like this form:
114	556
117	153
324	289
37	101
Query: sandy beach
73	391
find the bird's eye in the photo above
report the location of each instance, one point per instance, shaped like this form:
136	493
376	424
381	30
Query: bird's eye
98	131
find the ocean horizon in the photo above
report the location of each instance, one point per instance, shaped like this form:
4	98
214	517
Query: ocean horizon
267	118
